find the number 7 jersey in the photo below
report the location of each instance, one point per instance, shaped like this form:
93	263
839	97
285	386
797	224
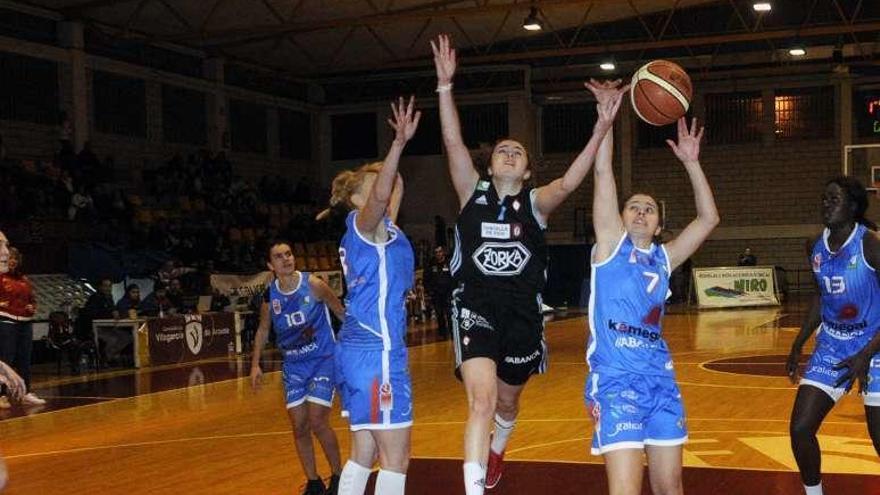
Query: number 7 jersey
627	300
848	288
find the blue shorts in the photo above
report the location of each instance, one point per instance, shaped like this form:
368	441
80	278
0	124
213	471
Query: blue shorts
631	411
820	372
375	387
309	380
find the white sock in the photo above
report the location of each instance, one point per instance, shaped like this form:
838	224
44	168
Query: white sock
353	480
503	429
390	483
474	478
813	490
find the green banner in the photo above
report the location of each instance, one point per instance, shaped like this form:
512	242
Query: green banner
725	287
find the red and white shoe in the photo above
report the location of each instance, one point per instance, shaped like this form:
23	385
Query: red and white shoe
494	469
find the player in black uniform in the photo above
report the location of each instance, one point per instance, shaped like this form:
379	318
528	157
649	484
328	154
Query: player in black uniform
499	267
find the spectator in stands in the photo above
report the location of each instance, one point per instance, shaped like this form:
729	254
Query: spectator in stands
17	308
65	130
99	306
157	303
171	270
747	258
118	342
62	336
130	304
82	206
176	294
438	281
88	161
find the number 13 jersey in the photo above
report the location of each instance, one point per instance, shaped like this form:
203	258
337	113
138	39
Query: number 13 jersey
848	288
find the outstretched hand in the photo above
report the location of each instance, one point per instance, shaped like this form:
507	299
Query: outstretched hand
256	377
14	383
608	96
687	149
857	370
405	122
444	59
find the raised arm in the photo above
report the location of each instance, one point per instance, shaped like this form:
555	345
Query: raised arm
260	339
325	294
606	218
461	166
688	151
405	123
608	95
396	199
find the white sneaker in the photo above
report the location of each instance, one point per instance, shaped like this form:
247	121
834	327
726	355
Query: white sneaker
4	402
31	399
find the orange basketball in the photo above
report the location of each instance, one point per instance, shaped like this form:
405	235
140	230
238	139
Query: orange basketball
661	92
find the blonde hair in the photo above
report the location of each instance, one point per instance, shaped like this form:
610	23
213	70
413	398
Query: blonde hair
345	184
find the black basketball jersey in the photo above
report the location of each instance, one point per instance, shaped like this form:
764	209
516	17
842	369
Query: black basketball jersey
500	244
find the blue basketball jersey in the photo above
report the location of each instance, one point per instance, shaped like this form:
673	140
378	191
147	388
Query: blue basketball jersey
378	276
848	288
627	302
301	321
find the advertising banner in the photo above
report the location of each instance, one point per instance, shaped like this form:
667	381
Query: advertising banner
726	287
183	338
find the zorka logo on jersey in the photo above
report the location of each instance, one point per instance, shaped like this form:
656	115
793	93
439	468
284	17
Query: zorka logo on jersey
501	259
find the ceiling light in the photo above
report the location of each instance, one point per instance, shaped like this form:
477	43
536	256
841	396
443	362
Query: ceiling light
762	6
608	65
532	23
797	51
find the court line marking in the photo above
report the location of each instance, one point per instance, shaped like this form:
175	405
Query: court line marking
62	397
600	462
151	443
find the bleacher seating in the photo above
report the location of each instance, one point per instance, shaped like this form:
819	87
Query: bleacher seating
58	292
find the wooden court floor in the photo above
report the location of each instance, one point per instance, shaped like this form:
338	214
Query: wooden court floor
200	429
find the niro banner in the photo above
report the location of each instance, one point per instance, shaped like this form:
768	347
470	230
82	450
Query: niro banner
727	287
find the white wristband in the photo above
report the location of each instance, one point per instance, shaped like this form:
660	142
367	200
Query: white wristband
442	88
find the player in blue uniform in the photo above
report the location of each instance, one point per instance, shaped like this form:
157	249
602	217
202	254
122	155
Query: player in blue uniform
297	305
847	313
371	356
631	389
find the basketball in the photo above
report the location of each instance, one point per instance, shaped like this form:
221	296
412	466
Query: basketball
661	92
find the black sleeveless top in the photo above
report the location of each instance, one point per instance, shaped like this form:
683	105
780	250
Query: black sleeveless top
500	245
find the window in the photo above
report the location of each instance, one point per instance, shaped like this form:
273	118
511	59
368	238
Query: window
354	136
184	115
734	117
567	127
294	134
119	104
428	139
804	113
650	136
483	124
29	89
247	126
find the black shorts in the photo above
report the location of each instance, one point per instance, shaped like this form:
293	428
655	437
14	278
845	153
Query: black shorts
507	328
